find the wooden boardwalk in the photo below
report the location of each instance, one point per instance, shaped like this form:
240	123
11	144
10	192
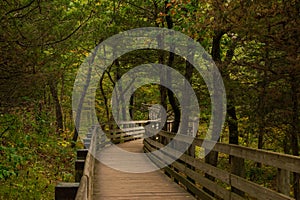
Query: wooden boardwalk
101	182
111	184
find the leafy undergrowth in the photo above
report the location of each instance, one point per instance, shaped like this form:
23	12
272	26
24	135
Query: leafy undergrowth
31	165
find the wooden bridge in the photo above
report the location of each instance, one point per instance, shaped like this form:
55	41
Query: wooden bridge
189	177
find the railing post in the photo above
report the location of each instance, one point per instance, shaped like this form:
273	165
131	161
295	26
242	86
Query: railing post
87	142
81	154
238	168
79	163
66	191
191	152
79	167
283	181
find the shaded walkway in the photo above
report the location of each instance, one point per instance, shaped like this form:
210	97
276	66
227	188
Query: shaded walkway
113	184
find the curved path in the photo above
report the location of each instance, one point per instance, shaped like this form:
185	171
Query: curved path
111	184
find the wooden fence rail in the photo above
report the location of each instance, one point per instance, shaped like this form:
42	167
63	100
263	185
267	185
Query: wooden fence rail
82	188
190	171
85	190
94	142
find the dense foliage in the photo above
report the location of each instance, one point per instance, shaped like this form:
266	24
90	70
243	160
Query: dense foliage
255	45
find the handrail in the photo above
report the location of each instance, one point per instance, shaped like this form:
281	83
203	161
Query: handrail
85	190
279	160
99	141
190	171
124	135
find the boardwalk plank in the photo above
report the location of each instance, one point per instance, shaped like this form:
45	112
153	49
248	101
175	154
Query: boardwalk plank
113	184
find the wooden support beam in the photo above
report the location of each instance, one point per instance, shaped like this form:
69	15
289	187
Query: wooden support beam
79	167
81	154
87	142
283	181
66	191
89	135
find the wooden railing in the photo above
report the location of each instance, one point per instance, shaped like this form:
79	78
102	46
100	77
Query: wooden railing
85	190
201	179
84	165
130	130
82	188
190	171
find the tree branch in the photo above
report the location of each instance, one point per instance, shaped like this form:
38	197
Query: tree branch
4	132
139	7
61	40
21	8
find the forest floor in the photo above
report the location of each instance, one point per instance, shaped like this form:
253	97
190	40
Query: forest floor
31	165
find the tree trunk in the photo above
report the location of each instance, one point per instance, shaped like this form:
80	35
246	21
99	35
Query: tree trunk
185	109
58	109
81	100
295	133
175	107
237	164
162	89
262	113
80	106
232	123
172	99
121	101
262	98
131	108
212	157
105	98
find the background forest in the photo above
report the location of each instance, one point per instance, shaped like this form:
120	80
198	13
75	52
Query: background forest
254	43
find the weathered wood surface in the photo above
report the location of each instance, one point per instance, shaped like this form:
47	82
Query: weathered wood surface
180	171
188	171
282	161
85	190
113	184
